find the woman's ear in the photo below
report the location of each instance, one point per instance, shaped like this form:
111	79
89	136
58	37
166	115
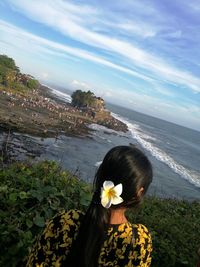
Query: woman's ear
140	192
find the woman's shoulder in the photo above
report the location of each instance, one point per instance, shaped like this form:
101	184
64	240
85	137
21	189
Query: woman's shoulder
72	213
132	240
141	228
140	231
131	233
55	241
67	217
65	220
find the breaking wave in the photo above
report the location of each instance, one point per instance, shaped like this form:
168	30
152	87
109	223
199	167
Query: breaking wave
104	129
62	95
143	139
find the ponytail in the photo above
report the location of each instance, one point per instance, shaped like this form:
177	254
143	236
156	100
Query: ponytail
86	248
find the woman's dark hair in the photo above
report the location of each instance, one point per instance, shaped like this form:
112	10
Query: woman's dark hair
122	164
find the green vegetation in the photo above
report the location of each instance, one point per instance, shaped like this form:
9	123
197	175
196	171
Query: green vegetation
86	99
31	194
8	63
32	83
12	78
174	226
82	99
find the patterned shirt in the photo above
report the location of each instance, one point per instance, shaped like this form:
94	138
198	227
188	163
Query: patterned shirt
126	244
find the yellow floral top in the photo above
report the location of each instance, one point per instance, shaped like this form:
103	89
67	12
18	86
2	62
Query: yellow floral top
126	244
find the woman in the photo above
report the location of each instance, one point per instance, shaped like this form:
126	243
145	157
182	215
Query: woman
103	236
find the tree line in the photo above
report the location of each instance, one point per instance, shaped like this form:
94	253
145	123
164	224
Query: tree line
86	99
11	77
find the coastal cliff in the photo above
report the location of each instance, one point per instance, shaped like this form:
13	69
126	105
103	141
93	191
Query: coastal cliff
26	106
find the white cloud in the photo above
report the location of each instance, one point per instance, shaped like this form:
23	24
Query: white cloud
108	94
140	29
44	76
123	26
39	44
80	85
173	34
193	5
64	16
163	90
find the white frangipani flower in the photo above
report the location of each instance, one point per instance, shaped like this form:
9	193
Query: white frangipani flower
110	194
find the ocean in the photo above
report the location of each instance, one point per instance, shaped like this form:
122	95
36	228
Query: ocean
173	150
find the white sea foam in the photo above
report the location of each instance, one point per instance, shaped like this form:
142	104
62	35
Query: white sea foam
104	129
62	95
98	163
141	137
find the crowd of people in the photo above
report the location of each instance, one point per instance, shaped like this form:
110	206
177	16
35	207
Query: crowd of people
37	104
71	116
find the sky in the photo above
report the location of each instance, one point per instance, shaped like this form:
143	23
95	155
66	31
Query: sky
140	54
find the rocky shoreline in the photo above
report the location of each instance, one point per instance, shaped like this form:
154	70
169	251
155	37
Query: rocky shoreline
41	113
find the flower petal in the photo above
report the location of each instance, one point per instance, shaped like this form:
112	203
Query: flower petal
103	193
109	204
118	189
106	202
108	184
117	200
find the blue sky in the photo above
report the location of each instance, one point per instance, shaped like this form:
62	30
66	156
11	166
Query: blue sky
144	55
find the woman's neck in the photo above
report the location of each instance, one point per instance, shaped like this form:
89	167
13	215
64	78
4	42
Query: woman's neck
118	216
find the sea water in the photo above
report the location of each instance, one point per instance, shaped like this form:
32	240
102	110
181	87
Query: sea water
173	150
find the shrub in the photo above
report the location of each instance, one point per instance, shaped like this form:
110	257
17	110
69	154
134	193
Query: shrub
175	229
30	195
32	83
